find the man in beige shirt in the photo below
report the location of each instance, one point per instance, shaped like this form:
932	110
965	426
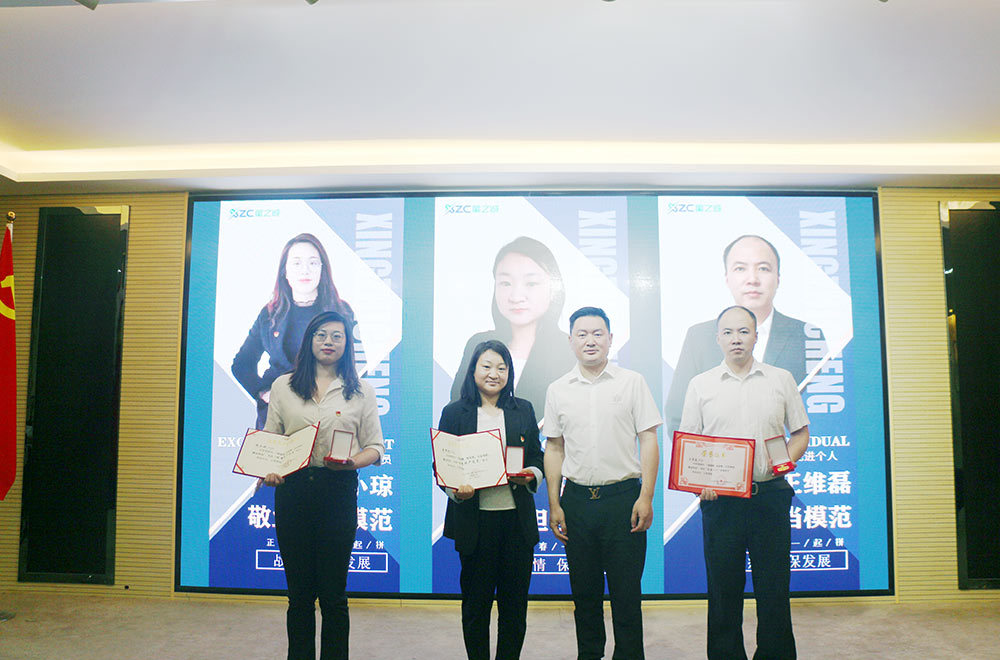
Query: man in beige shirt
744	398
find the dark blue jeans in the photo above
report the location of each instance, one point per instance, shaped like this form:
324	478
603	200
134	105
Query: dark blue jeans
601	543
316	517
732	527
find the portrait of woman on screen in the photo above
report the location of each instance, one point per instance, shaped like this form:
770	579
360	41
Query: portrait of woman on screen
303	288
528	297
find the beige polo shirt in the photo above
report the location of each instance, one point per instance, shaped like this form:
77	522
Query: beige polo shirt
288	412
760	405
599	422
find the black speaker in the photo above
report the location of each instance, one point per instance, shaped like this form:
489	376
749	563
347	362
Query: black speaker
972	276
72	406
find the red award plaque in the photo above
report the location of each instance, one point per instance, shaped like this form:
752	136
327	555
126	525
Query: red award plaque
701	461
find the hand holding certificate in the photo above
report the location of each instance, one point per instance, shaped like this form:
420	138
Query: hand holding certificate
476	459
724	465
264	452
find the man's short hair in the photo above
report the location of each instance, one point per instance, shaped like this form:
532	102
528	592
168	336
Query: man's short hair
589	311
722	313
777	257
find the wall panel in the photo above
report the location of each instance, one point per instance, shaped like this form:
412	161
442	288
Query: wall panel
916	345
923	489
150	358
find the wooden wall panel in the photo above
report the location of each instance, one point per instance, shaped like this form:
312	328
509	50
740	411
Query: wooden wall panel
144	555
923	489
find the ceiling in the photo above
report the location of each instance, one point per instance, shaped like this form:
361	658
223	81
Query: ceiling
455	94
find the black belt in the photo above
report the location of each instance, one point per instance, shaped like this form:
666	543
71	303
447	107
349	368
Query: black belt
597	492
760	487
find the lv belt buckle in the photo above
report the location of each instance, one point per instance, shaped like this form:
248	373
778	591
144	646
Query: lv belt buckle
595	492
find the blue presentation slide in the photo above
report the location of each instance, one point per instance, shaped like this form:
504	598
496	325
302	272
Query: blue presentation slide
428	277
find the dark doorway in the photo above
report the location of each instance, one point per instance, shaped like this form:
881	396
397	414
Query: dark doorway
72	408
972	276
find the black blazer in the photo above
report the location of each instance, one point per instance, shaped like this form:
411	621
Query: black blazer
461	520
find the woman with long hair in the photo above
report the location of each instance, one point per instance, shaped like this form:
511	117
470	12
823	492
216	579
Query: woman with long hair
316	508
303	288
495	529
528	297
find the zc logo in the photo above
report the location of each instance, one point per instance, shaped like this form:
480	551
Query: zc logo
471	208
674	207
254	213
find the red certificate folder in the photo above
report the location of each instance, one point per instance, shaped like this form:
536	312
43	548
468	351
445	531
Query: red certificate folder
702	461
452	467
263	452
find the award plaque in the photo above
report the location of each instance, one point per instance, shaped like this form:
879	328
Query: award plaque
723	464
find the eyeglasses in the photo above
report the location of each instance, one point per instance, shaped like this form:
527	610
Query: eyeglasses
335	337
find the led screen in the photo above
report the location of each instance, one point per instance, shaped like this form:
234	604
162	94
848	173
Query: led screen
428	277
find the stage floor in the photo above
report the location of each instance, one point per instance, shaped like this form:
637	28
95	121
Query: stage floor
48	626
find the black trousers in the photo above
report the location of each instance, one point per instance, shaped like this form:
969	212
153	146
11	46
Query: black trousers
316	517
601	543
733	526
500	566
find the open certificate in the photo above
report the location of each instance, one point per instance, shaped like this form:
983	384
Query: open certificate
476	459
264	452
723	464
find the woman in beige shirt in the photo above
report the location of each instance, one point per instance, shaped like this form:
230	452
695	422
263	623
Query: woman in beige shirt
316	507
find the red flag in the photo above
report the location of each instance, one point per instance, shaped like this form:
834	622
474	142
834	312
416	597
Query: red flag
8	367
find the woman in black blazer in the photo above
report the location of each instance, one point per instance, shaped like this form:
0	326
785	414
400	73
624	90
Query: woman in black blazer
495	529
